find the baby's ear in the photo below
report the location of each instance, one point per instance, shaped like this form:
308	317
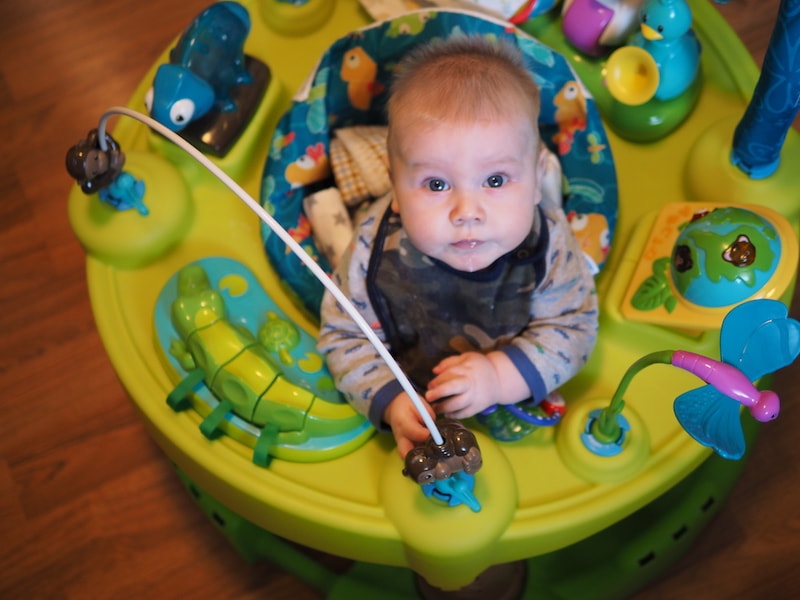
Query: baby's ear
543	158
548	168
387	160
394	205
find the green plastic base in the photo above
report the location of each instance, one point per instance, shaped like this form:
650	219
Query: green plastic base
611	564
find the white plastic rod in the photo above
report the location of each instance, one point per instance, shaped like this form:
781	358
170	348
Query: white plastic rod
276	227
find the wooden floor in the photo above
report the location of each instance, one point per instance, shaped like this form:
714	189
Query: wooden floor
89	507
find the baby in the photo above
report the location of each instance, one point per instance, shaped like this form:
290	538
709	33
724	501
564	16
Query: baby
477	286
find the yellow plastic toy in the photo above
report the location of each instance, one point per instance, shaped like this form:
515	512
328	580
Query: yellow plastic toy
548	501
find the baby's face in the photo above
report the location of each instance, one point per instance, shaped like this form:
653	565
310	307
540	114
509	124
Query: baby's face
466	193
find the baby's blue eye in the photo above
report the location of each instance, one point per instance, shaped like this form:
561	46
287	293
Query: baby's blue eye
437	185
495	181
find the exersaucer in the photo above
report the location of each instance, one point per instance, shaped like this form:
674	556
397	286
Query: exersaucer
584	525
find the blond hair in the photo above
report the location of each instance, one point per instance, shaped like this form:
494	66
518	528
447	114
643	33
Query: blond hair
463	79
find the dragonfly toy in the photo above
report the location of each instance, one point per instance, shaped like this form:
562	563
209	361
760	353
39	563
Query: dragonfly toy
756	338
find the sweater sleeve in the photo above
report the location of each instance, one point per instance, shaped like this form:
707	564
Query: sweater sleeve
359	372
562	329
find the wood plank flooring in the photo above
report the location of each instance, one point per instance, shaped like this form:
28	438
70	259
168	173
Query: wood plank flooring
89	507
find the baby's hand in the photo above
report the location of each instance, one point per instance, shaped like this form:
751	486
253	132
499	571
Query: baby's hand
407	425
464	385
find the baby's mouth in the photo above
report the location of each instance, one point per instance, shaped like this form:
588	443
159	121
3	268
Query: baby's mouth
467	244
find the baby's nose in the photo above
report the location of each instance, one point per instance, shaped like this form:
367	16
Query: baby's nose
466	209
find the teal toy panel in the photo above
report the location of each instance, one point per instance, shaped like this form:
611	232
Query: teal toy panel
349	87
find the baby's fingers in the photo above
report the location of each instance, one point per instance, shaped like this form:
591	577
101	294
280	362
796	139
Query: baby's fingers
449	405
442	387
448	363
